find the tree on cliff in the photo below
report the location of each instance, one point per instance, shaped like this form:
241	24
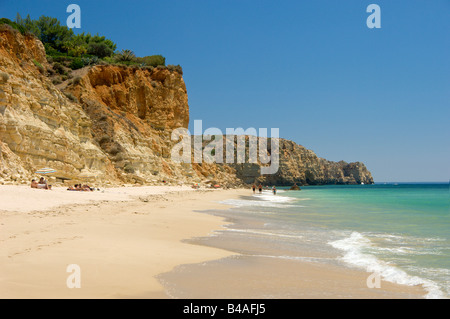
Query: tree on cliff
78	50
60	38
49	30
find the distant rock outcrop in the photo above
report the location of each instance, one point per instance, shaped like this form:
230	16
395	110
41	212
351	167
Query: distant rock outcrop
115	123
302	166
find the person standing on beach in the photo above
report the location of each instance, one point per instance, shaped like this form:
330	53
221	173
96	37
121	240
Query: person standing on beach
254	188
260	188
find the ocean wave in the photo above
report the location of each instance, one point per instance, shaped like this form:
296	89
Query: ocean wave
273	198
299	258
249	231
407	250
407	245
355	247
257	203
405	239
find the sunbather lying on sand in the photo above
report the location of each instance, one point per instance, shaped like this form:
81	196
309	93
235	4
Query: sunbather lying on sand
34	184
42	184
79	187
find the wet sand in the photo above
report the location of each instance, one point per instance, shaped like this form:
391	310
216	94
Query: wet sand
269	269
246	277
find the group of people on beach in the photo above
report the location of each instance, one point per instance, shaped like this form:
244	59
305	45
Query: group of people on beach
260	189
41	184
82	188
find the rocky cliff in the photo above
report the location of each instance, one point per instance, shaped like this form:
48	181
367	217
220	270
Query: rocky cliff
38	123
302	166
113	124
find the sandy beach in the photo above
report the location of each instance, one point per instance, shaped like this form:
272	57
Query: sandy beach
120	238
128	241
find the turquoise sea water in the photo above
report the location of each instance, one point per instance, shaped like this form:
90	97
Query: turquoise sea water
400	231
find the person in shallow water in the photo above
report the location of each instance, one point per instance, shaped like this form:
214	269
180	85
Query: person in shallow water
260	188
254	188
274	190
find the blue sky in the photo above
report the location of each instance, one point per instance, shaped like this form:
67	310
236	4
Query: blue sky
311	68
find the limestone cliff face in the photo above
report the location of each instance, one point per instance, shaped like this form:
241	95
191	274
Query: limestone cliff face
114	123
133	112
38	124
157	98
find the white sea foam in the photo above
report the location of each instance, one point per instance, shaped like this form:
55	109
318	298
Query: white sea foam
300	258
274	198
262	200
407	250
250	203
256	232
355	249
405	239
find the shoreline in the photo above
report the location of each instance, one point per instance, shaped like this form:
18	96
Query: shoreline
143	242
121	239
256	271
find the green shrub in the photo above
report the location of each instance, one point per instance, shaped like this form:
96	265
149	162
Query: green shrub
152	60
91	60
51	51
109	60
59	39
52	32
29	25
62	59
175	68
76	64
128	168
104	139
127	63
77	51
114	150
101	49
103	45
39	66
125	56
76	80
70	96
4	77
59	68
36	63
50	71
14	25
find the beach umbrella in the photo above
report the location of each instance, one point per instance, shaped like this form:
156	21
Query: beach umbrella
45	171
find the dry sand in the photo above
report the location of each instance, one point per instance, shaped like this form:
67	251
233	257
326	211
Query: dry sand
121	239
124	239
